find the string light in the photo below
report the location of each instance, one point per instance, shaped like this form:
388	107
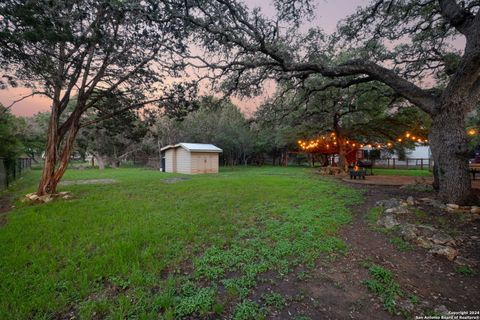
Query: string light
330	140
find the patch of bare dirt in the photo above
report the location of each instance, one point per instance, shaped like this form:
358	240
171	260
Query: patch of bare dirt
174	180
433	278
335	289
87	181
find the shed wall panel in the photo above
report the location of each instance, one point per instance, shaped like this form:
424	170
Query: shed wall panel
204	162
183	161
169	160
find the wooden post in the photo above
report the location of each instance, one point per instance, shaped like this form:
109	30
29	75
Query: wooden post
393	163
421	164
407	162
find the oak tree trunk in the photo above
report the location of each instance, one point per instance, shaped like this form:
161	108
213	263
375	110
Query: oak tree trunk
100	161
342	150
448	142
114	162
342	154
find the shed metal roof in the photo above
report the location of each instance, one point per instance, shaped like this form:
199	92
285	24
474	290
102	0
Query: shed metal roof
194	147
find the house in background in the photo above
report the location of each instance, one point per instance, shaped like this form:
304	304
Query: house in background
190	158
420	152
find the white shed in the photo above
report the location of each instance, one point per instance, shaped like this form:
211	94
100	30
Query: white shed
190	158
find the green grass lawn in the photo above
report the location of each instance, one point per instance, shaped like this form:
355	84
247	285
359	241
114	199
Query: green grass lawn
141	248
402	172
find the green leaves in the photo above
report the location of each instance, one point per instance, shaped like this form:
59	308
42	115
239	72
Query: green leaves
194	300
248	310
384	285
11	145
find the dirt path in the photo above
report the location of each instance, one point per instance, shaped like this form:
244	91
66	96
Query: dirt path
432	279
335	290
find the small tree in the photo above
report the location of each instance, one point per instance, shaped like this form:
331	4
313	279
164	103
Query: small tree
275	131
221	123
33	134
11	145
364	113
88	49
112	140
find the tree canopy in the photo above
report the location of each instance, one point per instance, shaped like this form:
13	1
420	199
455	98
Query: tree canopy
89	49
398	43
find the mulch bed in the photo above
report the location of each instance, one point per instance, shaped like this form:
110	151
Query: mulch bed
390	180
385	180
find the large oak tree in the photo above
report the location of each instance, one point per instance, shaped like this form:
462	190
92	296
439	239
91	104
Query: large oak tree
368	113
396	42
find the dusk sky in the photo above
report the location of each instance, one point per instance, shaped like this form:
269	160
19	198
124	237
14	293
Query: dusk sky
328	13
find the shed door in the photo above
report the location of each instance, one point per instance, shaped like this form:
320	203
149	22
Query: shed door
208	163
203	164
